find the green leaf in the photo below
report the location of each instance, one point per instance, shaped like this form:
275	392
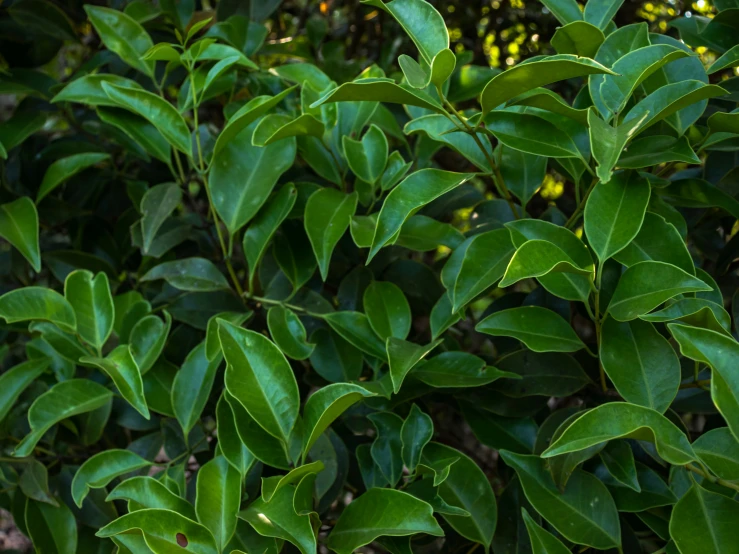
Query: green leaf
16	379
163	530
144	135
218	498
616	420
278	518
601	12
403	357
704	522
526	76
245	116
355	328
416	76
148	338
379	90
414	192
611	92
265	224
584	513
123	35
387	310
614	213
420	20
417	430
63	400
549	373
475	265
646	285
381	512
243	175
457	370
423	234
640	362
147	492
18	128
66	168
328	213
579	37
88	89
386	449
542	541
19	226
29	303
697	312
325	405
190	274
498	432
271	485
566	11
334	358
522	173
608	142
260	378
51	529
92	302
288	333
229	441
719	352
34	483
532	133
293	254
719	450
653	492
121	367
157	111
618	459
545	99
540	329
537	258
157	205
192	386
657	240
696	193
468	488
367	158
655	150
99	470
442	66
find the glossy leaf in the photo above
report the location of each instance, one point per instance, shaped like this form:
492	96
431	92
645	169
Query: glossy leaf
192	386
542	541
123	35
355	328
16	379
218	498
65	168
403	357
328	213
189	274
288	333
19	226
92	302
541	330
101	469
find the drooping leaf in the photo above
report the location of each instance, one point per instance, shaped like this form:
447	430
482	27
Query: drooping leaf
92	302
355	328
65	168
16	379
156	206
387	310
192	386
147	492
367	158
123	35
719	450
19	226
288	333
327	216
538	258
101	469
457	369
403	357
218	498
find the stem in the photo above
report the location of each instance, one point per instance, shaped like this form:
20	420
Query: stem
203	173
497	177
581	206
601	371
696	385
274	302
711	478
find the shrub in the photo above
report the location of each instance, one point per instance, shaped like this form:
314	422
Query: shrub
252	308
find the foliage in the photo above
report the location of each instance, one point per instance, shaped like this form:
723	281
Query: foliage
254	304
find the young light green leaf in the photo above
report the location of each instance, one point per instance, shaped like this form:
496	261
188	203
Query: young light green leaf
640	362
164	530
403	357
367	158
123	35
19	226
540	329
465	487
92	302
66	168
584	513
381	512
288	333
218	498
99	470
616	420
260	378
121	367
328	213
646	285
157	111
190	274
415	191
614	213
243	175
526	76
